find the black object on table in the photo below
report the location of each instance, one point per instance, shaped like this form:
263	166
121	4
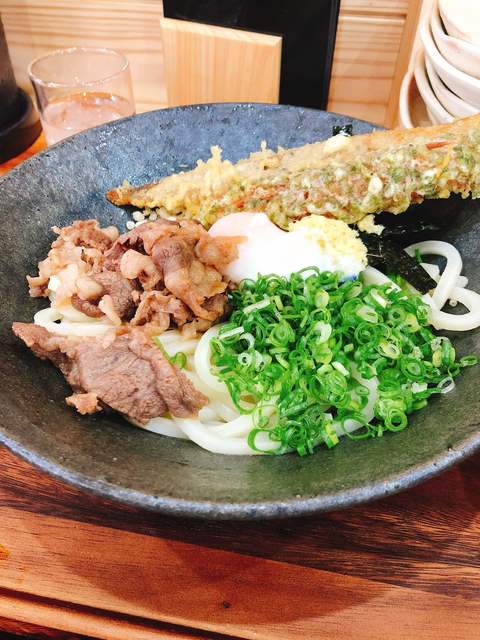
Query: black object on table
308	29
19	122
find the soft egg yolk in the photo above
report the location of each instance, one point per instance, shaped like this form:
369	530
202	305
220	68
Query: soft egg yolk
314	241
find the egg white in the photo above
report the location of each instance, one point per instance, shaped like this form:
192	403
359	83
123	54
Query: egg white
267	249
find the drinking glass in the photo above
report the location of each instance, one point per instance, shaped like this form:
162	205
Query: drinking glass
79	88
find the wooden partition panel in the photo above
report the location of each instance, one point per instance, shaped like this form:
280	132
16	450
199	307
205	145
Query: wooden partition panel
230	65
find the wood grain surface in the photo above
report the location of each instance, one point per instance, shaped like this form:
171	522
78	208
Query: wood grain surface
206	63
409	560
373	40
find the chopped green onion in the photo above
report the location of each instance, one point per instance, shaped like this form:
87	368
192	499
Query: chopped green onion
229	334
330	436
301	343
446	385
368	314
388	349
179	359
321	299
324	331
248	338
257	305
339	367
245	359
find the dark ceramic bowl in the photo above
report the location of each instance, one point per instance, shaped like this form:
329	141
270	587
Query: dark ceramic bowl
107	456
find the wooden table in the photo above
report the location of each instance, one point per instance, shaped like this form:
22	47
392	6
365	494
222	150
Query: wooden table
404	568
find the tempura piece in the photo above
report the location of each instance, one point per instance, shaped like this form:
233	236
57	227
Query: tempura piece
347	178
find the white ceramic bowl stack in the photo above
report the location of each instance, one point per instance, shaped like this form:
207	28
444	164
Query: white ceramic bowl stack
446	70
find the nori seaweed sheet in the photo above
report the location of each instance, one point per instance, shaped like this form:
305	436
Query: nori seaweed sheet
389	257
427	221
344	129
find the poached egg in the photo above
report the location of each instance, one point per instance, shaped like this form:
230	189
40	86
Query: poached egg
314	241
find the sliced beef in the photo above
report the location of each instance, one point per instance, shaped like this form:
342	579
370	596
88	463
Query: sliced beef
186	277
158	308
86	306
191	329
127	373
82	243
217	251
115	290
87	233
102	274
120	290
45	345
142	239
84	402
179	394
138	266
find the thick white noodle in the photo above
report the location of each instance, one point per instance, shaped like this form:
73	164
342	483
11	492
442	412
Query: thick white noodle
186	346
450	286
453	322
47	318
162	426
219	427
433	270
202	361
170	336
219	396
69	312
452	270
224	411
370	275
204	437
237	428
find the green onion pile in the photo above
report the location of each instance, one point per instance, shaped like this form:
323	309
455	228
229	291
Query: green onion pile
306	346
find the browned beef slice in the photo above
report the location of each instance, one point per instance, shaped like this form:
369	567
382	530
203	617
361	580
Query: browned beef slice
117	287
84	402
180	395
219	251
87	233
142	238
86	306
120	290
47	346
129	374
156	307
119	378
188	260
186	277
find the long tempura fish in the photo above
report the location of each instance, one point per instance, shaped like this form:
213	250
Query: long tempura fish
344	177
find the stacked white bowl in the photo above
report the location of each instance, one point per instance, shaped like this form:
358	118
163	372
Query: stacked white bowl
446	69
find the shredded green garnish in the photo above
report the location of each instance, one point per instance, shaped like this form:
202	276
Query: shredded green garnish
307	345
179	359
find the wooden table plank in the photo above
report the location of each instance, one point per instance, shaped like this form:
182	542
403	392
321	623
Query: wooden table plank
64	619
13	629
214	590
426	538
